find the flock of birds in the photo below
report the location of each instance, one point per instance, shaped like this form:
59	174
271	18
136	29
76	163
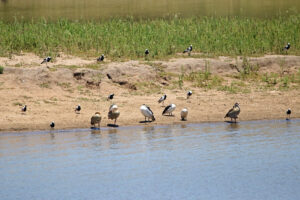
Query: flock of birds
114	113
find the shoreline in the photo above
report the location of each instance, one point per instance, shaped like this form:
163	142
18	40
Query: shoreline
52	93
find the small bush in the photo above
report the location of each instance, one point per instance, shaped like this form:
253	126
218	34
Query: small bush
1	69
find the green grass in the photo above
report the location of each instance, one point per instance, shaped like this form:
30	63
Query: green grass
128	38
1	69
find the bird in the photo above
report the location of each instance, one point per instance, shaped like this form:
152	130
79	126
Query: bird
169	109
184	113
77	109
147	112
113	113
188	94
46	60
288	114
108	76
146	52
287	47
52	124
101	58
24	108
96	119
162	99
234	112
189	49
110	97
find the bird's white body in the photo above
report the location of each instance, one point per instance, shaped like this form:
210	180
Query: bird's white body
169	109
113	108
162	99
189	93
147	112
184	113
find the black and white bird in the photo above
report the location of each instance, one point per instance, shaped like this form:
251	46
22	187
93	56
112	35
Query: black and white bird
288	114
234	112
46	60
24	108
147	112
146	52
189	49
110	97
189	94
101	58
169	109
77	109
162	99
52	124
184	113
287	47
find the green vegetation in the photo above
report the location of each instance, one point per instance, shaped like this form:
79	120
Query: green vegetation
128	38
1	69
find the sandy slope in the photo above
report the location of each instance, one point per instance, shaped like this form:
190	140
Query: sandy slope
51	94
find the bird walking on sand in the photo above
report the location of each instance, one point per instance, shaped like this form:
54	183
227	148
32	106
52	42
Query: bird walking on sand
234	112
189	94
52	124
96	119
46	60
113	113
101	58
110	97
169	109
189	50
77	109
184	113
287	47
24	108
162	99
288	114
147	112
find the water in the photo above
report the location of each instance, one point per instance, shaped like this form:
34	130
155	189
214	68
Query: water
250	160
98	9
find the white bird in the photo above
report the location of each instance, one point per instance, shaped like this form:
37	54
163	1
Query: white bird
113	112
169	109
147	112
96	119
184	113
162	99
189	93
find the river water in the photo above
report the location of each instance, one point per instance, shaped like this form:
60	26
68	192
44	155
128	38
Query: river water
99	9
248	160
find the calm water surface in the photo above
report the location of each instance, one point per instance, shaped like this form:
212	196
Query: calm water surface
249	160
98	9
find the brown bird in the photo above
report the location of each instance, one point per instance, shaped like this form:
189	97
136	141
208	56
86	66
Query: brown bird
234	112
96	119
113	113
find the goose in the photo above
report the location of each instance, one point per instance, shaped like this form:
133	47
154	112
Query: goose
147	112
96	119
169	109
162	99
113	113
184	113
234	112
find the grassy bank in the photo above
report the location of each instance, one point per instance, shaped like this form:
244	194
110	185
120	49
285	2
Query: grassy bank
128	38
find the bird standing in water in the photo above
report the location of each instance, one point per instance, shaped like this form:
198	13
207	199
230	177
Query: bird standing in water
234	112
96	119
113	113
288	114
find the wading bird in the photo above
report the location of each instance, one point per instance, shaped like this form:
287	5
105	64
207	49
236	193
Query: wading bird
184	113
147	112
46	60
189	50
77	109
52	124
113	113
101	58
162	99
288	114
188	94
96	119
234	112
169	109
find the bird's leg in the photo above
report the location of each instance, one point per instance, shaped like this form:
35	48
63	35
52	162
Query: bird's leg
115	121
145	119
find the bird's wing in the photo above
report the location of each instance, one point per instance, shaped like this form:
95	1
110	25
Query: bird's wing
161	99
228	112
43	61
149	109
166	108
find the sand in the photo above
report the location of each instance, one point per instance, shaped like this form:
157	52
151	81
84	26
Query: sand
52	93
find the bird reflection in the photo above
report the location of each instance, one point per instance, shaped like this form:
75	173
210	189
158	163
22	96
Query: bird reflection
232	127
95	131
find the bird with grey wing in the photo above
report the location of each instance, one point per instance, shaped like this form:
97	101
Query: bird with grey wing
162	99
147	112
46	60
101	58
233	112
113	113
169	109
96	119
189	50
